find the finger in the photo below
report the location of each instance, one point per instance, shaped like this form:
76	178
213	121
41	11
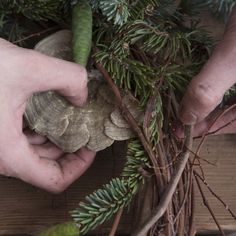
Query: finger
47	73
208	87
211	125
34	138
46	173
225	125
48	150
74	165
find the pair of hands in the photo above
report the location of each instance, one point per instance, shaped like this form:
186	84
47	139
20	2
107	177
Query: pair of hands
31	158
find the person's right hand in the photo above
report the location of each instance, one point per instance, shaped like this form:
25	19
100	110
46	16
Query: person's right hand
206	90
26	155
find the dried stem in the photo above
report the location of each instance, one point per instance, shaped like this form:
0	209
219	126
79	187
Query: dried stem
36	34
192	230
171	187
215	195
116	222
128	116
214	121
205	202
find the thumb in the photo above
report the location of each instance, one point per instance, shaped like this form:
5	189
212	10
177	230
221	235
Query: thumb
219	74
47	73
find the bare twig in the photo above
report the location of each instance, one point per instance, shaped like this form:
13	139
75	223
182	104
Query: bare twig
128	116
214	121
183	201
205	202
215	195
35	34
202	159
116	222
192	229
171	187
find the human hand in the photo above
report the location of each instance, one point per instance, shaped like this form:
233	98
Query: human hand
26	155
206	90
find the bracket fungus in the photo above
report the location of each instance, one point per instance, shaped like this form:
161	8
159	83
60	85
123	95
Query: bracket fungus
96	125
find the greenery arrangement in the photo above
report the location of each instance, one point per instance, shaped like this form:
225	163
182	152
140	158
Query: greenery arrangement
148	49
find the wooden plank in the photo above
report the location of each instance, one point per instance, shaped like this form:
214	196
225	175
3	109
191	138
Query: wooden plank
221	151
26	209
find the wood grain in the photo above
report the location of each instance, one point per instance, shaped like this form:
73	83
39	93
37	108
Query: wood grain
26	210
220	150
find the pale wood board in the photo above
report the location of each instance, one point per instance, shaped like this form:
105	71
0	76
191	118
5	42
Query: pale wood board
221	151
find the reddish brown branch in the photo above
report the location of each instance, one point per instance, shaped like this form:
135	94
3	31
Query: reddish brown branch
209	128
215	195
128	116
171	187
116	222
35	34
206	203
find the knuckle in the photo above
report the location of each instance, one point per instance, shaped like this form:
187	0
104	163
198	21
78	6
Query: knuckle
204	96
58	186
57	183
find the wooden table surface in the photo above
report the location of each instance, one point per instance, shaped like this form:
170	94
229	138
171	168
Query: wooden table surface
26	209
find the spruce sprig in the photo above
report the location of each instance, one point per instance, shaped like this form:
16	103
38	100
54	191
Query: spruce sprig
103	204
221	8
36	9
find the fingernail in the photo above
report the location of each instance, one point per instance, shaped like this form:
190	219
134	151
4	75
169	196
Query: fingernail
187	117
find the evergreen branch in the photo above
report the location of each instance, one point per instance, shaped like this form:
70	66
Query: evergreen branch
192	7
137	162
221	8
103	204
127	73
36	9
140	8
114	10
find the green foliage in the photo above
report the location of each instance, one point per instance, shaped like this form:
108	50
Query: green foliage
141	52
114	10
36	9
104	203
137	162
221	8
145	46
